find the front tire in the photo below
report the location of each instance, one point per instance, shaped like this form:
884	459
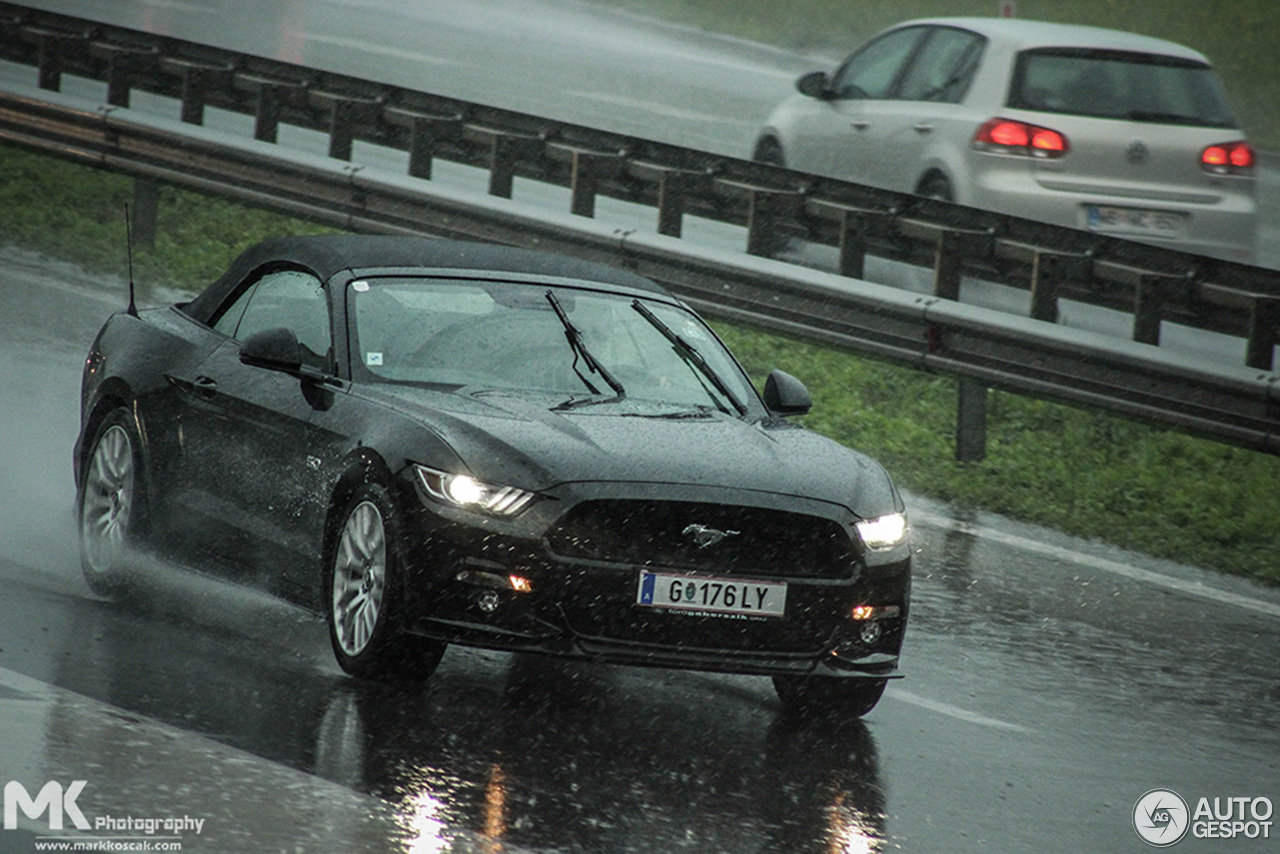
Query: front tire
112	511
769	150
364	594
829	696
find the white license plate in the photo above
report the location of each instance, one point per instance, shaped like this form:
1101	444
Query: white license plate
719	596
1117	220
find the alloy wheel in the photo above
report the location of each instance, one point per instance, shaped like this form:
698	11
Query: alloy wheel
359	577
108	501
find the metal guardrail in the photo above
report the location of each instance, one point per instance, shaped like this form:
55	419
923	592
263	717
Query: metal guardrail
1153	284
1236	405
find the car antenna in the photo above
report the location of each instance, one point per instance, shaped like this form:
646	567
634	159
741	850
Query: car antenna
132	310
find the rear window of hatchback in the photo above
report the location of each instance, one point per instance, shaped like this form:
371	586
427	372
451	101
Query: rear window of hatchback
1111	84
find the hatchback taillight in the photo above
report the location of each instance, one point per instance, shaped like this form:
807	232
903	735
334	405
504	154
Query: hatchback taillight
1228	158
1006	136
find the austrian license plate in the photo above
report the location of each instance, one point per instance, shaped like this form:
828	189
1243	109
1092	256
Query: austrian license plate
1135	221
717	596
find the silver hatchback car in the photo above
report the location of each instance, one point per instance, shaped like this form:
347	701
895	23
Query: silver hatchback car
1079	126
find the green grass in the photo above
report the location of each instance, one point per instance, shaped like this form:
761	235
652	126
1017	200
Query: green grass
1079	471
1238	37
75	213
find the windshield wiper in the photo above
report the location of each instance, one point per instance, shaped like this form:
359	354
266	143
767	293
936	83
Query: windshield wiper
691	357
574	335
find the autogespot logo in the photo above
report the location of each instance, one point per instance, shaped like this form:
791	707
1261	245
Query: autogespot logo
1161	818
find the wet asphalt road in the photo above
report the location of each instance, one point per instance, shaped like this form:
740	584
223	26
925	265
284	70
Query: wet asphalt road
1051	683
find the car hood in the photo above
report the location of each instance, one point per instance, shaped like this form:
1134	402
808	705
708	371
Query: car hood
520	440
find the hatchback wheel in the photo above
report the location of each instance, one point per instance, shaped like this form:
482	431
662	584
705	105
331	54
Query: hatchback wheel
769	150
364	595
936	187
112	512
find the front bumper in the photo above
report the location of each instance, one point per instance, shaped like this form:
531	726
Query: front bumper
458	567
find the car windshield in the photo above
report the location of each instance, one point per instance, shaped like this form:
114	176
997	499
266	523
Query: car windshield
1114	84
507	336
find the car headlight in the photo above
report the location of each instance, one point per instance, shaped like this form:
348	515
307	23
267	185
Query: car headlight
883	532
462	490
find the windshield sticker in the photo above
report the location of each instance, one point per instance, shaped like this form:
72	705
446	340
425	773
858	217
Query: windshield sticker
359	287
373	359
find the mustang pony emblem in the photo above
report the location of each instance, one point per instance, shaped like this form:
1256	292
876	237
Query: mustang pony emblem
704	536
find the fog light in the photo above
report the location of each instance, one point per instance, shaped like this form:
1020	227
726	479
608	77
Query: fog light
518	583
870	632
488	601
878	612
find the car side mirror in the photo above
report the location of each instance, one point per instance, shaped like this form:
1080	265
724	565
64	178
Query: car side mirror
786	395
815	84
274	349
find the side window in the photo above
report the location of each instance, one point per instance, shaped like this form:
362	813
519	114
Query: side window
289	298
943	68
872	71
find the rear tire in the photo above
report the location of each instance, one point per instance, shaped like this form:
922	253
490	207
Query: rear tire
829	696
112	511
936	186
364	594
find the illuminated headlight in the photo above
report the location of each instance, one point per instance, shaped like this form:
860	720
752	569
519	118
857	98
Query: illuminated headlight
462	490
883	532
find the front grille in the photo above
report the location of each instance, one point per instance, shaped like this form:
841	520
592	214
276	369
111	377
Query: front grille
666	534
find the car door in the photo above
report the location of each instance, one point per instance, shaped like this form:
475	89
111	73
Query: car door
924	113
861	105
251	473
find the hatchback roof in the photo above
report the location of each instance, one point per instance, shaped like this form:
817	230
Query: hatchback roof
1022	34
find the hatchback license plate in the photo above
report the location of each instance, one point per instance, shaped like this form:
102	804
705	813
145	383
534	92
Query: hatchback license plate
719	596
1117	220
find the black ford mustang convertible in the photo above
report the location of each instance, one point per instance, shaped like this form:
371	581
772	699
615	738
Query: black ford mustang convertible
437	442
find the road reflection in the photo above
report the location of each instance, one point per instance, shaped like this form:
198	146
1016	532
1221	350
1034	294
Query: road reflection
495	753
567	758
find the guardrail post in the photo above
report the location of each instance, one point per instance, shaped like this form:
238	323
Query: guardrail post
853	243
946	265
1147	309
763	210
504	153
51	45
426	132
269	99
1047	271
345	113
586	167
971	421
123	63
502	167
1264	333
583	180
671	187
674	185
197	78
145	212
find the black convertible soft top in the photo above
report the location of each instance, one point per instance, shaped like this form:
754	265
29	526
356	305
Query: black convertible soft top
326	255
